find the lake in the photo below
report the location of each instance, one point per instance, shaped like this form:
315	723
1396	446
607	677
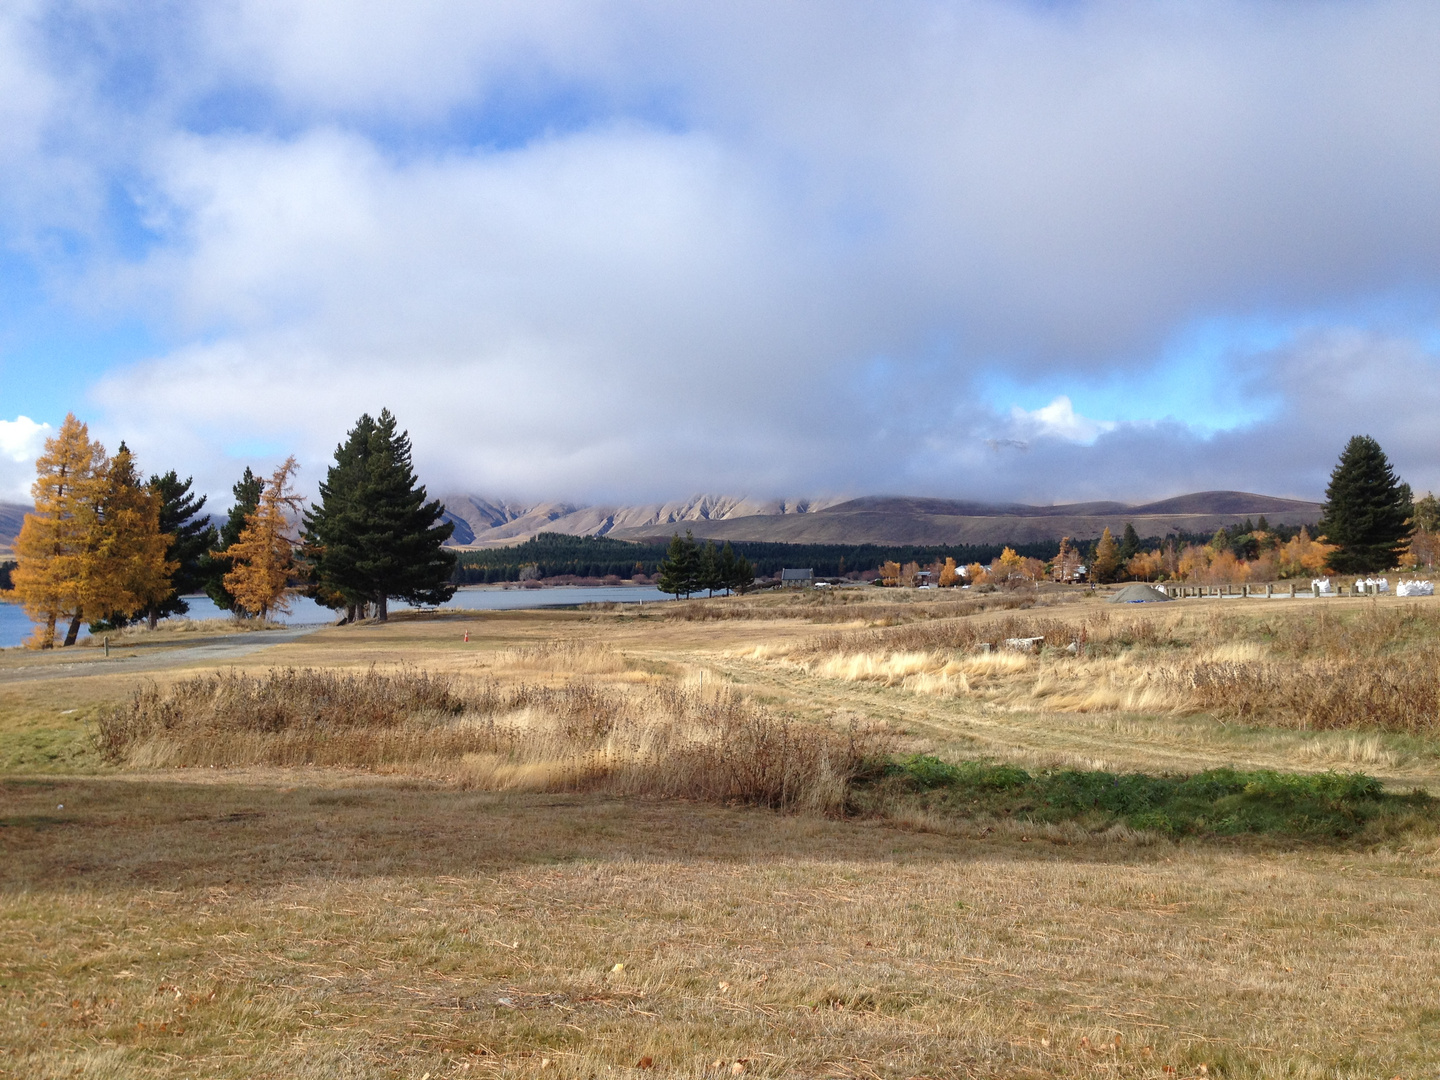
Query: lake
15	627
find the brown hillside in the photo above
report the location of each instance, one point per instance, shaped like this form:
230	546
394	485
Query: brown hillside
935	521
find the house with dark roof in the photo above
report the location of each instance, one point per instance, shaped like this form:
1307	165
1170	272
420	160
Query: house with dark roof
802	578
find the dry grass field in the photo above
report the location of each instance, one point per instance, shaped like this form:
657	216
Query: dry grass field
624	842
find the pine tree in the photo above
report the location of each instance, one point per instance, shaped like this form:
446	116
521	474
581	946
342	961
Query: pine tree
333	525
247	492
707	574
263	556
728	567
191	539
53	540
736	573
1367	510
744	579
1129	544
680	568
1106	561
375	534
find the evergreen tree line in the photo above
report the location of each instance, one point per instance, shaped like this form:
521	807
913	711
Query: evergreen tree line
103	546
549	555
557	554
689	567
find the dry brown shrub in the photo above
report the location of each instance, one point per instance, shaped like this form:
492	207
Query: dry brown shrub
663	741
1400	694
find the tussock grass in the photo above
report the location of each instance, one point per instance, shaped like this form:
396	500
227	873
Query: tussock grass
1401	694
1372	668
568	657
668	740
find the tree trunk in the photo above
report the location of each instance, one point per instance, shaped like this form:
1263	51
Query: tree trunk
49	642
350	615
382	609
74	631
154	617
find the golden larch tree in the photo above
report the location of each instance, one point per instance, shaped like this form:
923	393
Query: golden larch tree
949	574
54	540
125	565
1009	568
263	557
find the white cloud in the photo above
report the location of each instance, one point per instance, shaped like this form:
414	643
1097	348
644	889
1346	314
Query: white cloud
21	441
1059	420
769	248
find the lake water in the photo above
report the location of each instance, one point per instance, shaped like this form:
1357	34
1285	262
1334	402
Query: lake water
15	627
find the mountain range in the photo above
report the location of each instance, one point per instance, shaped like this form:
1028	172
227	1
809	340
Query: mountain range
483	522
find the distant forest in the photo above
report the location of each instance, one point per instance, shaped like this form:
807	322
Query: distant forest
5	568
551	555
555	555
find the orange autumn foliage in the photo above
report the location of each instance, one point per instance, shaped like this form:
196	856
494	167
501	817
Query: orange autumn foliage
263	557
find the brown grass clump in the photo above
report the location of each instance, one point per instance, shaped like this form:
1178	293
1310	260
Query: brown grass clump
960	634
1398	695
663	741
569	657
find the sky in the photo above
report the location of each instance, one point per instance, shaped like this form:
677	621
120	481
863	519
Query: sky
624	251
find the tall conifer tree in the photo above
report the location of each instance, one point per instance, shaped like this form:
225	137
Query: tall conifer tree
707	574
1367	510
680	569
1129	544
190	539
376	535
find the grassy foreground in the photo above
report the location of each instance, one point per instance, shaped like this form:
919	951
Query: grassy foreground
434	914
316	926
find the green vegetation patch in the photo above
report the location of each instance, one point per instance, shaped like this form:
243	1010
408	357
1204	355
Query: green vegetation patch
68	749
1217	802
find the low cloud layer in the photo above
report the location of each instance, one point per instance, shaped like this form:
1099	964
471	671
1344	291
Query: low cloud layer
634	250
